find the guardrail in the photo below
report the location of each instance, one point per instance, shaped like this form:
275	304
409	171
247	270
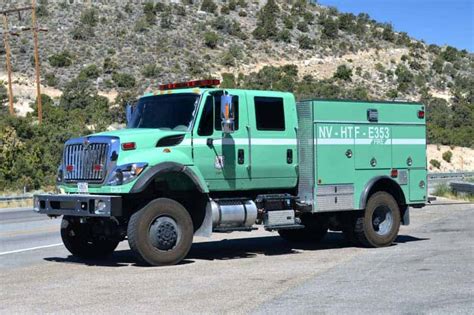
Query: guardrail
454	175
14	198
462	187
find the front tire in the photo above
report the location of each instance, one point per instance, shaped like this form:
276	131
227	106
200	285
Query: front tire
161	233
81	242
379	225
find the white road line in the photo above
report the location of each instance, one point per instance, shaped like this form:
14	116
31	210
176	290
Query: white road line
28	249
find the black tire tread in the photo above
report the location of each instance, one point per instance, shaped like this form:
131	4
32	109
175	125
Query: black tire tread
79	246
361	232
140	250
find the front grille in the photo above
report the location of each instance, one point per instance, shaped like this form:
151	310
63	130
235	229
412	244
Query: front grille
85	162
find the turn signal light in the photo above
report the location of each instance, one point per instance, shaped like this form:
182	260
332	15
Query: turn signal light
421	114
394	173
128	146
98	167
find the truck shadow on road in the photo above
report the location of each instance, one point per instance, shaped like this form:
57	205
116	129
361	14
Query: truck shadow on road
232	249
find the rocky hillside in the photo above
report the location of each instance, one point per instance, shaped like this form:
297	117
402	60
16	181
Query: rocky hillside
140	45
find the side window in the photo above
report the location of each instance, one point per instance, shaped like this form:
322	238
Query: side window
205	125
217	111
269	112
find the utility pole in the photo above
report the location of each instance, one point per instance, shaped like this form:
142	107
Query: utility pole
9	66
35	30
37	65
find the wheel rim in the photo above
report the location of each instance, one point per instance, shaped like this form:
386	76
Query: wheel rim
382	220
164	233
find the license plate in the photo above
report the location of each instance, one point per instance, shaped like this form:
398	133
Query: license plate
82	187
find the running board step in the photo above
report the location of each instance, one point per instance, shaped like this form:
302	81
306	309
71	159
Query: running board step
234	229
284	227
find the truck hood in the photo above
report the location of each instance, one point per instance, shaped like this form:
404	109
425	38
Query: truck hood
144	138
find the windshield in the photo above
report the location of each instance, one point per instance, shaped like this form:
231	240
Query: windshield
169	112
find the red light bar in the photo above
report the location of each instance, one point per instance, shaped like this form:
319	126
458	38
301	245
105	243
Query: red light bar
190	84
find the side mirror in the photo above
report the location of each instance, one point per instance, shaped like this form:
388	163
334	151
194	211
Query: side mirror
129	113
227	114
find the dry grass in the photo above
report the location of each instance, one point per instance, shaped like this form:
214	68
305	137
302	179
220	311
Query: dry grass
16	203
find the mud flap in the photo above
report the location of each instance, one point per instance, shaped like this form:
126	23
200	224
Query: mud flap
206	227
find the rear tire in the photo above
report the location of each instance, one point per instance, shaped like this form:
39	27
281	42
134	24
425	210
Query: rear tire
315	229
380	223
161	233
81	242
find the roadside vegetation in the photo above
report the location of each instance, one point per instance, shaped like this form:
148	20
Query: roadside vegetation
445	191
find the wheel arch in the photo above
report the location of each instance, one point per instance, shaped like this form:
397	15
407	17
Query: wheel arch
182	184
383	183
164	168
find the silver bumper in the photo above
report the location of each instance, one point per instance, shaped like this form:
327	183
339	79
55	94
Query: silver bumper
78	205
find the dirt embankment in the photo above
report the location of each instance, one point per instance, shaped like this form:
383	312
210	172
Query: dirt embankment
462	159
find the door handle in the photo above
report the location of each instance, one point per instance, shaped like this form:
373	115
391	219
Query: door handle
240	156
250	148
289	156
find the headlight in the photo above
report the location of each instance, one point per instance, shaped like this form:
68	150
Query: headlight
124	174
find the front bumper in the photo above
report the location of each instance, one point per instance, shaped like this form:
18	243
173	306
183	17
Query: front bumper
78	205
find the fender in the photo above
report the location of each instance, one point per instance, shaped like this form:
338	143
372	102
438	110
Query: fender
167	167
365	193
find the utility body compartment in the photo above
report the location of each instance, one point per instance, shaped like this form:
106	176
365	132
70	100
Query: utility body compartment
344	146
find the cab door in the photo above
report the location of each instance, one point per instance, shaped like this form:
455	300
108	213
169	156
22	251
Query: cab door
222	158
272	130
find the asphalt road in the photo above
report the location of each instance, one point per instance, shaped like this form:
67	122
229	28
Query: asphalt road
430	269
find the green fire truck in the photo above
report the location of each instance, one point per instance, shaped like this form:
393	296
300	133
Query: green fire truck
196	159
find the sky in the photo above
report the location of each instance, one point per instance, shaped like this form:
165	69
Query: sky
441	22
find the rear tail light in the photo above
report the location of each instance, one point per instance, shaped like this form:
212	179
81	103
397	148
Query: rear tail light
69	168
421	114
394	173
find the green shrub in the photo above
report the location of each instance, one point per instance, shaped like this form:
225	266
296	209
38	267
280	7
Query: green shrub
165	20
61	60
442	190
447	156
303	27
211	39
109	65
141	25
123	80
82	32
51	80
435	163
90	17
267	21
90	72
42	8
208	6
225	10
343	72
284	36
330	28
305	42
150	71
